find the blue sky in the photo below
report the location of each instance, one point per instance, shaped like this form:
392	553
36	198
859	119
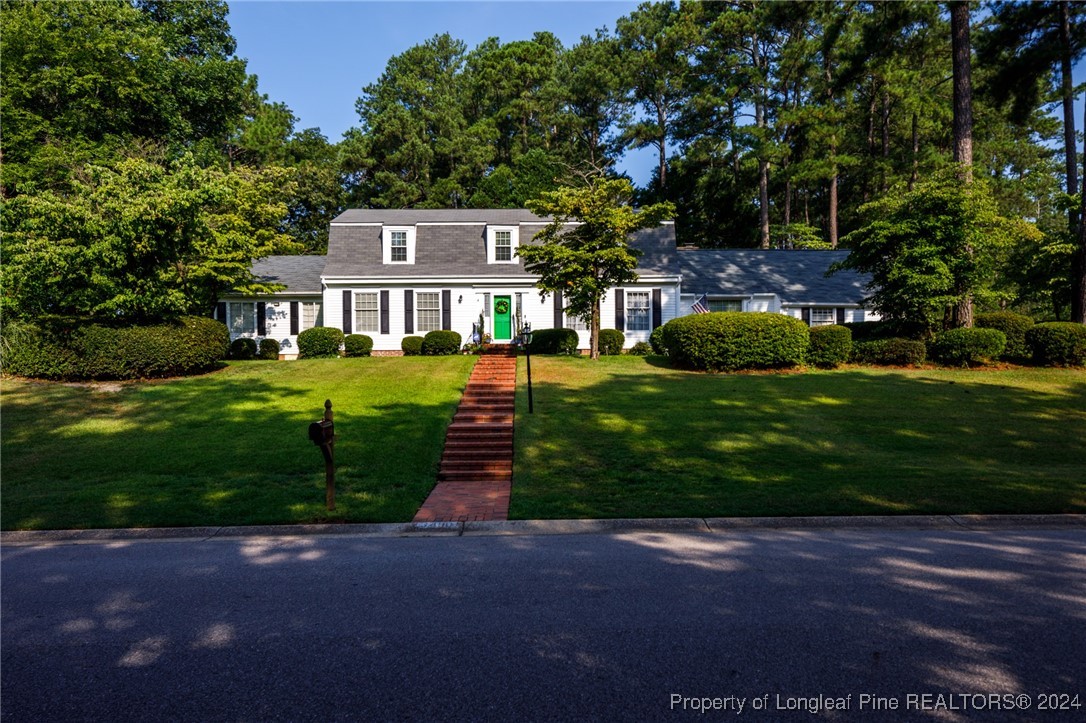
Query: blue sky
317	56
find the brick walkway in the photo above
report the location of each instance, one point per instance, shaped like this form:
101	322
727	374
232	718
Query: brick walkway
476	470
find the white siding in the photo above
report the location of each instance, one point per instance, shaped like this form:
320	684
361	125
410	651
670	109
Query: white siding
277	320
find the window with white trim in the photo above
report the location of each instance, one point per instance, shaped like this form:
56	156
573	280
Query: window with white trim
638	315
366	312
399	245
575	323
823	317
242	316
427	311
725	305
502	243
311	315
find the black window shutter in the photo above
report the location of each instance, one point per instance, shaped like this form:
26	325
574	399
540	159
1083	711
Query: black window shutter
657	307
347	311
408	311
294	321
620	309
559	316
840	316
261	319
805	314
384	311
220	311
446	309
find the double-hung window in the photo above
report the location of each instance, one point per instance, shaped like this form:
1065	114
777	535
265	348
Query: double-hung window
242	317
503	245
823	317
725	305
576	323
366	312
428	310
311	314
398	246
638	314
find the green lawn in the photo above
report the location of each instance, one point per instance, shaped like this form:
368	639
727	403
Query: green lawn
628	437
228	448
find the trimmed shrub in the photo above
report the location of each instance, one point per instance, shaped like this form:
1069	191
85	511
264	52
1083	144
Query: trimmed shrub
830	346
641	348
727	341
30	351
554	341
411	345
357	345
441	343
269	349
1014	327
888	352
656	341
967	347
611	341
868	330
1058	343
243	348
320	341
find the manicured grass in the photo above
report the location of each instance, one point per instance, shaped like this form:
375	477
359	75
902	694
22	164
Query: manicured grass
228	448
628	437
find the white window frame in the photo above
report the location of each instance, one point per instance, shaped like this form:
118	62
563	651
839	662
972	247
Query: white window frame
829	316
359	298
317	310
576	323
386	243
421	322
236	328
492	247
725	304
639	316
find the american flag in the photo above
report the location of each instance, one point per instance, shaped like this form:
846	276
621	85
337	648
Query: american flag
701	306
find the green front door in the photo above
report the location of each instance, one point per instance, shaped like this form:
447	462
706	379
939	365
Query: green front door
503	318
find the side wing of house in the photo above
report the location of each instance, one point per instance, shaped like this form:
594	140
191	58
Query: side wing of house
284	314
796	283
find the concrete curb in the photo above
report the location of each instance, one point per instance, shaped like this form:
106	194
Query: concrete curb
712	525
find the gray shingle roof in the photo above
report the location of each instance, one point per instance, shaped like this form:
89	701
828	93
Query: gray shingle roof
458	247
797	277
301	274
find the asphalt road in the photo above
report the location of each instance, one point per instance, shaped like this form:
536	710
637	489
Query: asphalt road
571	627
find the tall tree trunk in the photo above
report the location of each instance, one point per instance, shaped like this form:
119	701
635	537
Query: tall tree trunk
963	128
594	333
661	120
916	151
831	222
763	164
1067	90
1078	260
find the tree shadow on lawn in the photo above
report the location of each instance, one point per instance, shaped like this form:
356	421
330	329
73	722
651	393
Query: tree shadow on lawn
636	443
223	451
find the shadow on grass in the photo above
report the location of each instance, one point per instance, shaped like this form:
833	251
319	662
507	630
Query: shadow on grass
211	451
616	440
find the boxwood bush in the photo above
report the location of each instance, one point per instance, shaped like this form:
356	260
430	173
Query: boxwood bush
731	340
320	341
554	341
411	345
656	341
889	352
1058	343
441	343
243	348
357	345
830	346
641	348
611	341
269	349
1014	327
968	347
27	350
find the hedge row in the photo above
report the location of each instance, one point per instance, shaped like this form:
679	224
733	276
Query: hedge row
189	346
728	341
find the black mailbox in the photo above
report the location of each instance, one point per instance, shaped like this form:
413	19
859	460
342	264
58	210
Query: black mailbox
317	434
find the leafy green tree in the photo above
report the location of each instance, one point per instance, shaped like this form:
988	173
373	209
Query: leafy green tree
928	249
140	241
584	261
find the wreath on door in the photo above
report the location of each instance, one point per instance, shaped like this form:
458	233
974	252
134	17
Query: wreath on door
501	306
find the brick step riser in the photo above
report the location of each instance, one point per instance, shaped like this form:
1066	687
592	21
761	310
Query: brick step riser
475	445
491	439
496	408
474	461
484	418
473	401
493	454
492	468
490	427
457	477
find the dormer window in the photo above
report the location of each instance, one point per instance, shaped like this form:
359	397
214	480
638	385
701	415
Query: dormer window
502	244
399	245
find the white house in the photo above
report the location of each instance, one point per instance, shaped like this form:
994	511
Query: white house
395	273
